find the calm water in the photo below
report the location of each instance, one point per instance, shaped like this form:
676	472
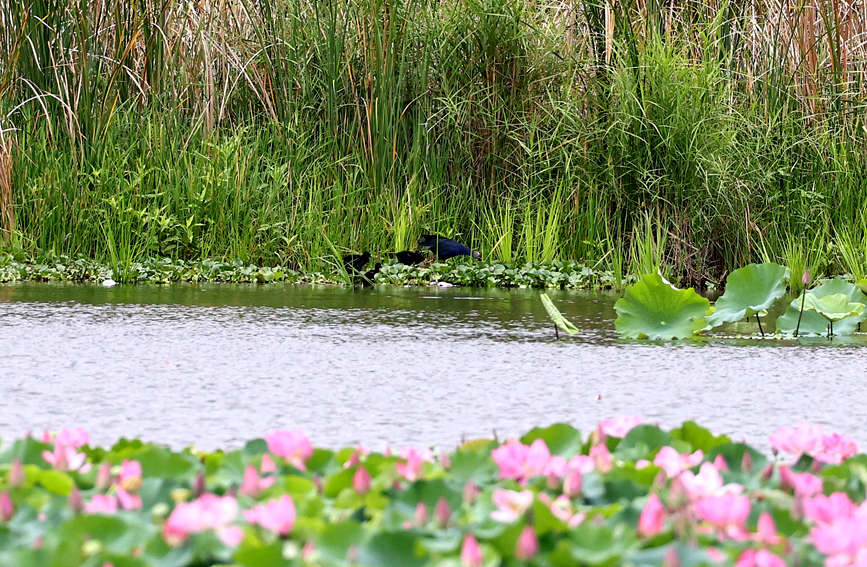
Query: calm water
216	365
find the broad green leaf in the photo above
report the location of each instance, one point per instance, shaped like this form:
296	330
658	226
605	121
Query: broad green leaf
561	439
653	308
833	307
813	323
562	323
749	290
391	549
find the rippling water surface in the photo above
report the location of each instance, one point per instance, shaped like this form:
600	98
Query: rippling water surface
216	365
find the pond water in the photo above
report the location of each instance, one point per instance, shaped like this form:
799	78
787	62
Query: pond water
215	365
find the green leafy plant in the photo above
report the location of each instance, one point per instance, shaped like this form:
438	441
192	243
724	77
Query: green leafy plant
833	307
812	321
560	322
653	308
750	292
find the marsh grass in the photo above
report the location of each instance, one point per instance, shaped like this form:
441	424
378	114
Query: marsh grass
293	132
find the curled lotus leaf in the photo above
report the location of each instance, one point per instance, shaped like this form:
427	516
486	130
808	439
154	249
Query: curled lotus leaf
653	308
750	290
814	323
559	320
833	307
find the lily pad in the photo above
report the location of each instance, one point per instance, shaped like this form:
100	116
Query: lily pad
833	307
653	308
812	322
749	291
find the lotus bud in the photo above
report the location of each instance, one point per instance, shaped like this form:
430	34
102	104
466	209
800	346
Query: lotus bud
37	542
527	544
75	501
442	512
103	476
353	460
805	279
421	516
767	472
17	475
552	481
199	486
471	553
572	483
471	492
747	462
445	460
361	481
671	559
6	507
267	465
720	463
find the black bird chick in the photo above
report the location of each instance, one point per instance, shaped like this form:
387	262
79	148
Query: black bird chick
355	262
409	257
370	274
445	248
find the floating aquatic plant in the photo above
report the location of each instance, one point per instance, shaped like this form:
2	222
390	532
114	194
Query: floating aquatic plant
653	308
750	292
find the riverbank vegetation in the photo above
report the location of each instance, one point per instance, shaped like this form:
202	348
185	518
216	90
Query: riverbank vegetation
696	136
630	493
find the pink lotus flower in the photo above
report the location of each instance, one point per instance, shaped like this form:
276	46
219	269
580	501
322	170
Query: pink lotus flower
7	509
267	465
66	458
728	512
412	468
827	509
77	437
673	463
720	463
442	512
652	518
293	446
130	476
253	485
277	515
601	457
127	500
760	558
527	545
804	484
208	512
572	484
421	515
556	467
471	492
835	449
521	462
101	504
767	531
561	508
706	483
361	480
811	440
16	476
511	505
471	553
844	539
617	426
582	463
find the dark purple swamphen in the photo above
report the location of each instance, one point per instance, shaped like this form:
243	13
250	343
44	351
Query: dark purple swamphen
355	262
445	248
409	257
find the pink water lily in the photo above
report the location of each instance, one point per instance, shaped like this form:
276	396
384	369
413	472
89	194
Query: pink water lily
601	456
652	518
276	515
804	484
706	483
76	437
127	500
293	446
835	449
7	509
252	484
521	462
412	468
618	426
561	508
66	458
511	505
826	509
208	512
527	545
843	538
812	440
766	532
727	512
361	480
471	553
129	477
673	463
101	504
759	558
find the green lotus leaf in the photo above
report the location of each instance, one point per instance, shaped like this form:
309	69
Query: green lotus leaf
833	307
653	308
812	322
862	285
749	291
562	322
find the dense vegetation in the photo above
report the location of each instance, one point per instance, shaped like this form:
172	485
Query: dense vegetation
701	135
628	494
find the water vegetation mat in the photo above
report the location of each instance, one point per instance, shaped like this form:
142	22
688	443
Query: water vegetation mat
629	493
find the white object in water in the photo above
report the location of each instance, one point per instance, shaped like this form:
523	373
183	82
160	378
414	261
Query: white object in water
108	283
445	284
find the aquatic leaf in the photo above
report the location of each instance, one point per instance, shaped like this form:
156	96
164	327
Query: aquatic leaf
833	307
653	308
749	290
562	323
812	322
398	548
561	439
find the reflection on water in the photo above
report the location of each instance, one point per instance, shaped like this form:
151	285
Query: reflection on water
216	364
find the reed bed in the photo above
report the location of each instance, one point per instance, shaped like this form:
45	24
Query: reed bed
694	135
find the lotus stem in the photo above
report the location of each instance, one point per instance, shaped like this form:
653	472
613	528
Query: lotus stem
830	329
759	321
801	312
556	332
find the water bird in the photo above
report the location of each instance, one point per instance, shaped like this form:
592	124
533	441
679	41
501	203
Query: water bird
445	248
370	274
409	257
109	283
355	262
